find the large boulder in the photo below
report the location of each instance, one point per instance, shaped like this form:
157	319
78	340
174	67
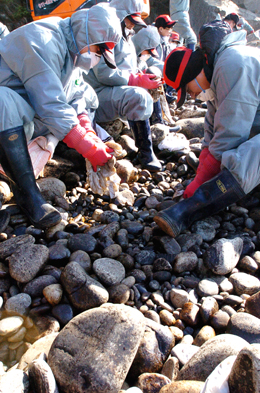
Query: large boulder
95	350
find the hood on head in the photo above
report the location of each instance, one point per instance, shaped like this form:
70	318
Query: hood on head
146	39
98	24
127	7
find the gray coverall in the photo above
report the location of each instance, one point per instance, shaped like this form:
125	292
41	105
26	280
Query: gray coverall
3	30
116	98
179	10
41	87
147	38
232	122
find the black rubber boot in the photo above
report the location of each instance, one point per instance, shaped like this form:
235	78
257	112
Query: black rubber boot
16	162
157	116
209	199
143	140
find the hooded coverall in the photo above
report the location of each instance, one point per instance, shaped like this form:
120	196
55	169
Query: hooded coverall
116	98
179	10
232	122
146	39
3	31
40	86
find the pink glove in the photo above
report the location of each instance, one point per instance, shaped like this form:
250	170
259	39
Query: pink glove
144	80
209	169
91	148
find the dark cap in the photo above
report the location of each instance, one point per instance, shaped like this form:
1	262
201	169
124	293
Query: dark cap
106	51
233	16
181	66
136	19
164	21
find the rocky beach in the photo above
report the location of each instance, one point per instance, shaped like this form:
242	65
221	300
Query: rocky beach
107	302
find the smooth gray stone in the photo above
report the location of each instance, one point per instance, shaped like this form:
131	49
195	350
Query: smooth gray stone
185	261
18	304
95	350
210	354
82	241
109	271
244	283
83	291
27	261
246	326
9	246
35	287
223	255
154	349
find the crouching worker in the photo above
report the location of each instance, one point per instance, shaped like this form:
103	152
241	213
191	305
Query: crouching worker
123	92
229	162
39	96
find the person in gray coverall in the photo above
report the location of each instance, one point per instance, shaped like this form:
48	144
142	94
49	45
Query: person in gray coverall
146	44
40	94
122	92
179	10
229	162
3	30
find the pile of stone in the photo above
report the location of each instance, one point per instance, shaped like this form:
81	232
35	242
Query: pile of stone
107	302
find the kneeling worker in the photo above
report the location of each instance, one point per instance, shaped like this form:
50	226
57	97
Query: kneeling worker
229	162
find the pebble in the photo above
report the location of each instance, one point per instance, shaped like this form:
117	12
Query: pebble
244	283
207	287
205	334
109	271
185	261
10	325
53	293
224	255
18	304
191	289
178	297
246	326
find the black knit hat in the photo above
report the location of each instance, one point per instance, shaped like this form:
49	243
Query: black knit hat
180	67
233	16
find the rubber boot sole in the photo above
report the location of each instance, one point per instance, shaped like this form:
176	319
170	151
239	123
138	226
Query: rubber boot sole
50	220
167	225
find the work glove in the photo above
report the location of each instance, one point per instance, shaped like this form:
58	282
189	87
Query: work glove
90	147
144	80
202	157
209	168
85	122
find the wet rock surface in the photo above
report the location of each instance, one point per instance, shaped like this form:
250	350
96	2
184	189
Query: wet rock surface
106	301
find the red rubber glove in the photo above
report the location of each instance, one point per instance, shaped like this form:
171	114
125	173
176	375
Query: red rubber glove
85	122
209	169
93	149
202	157
144	80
